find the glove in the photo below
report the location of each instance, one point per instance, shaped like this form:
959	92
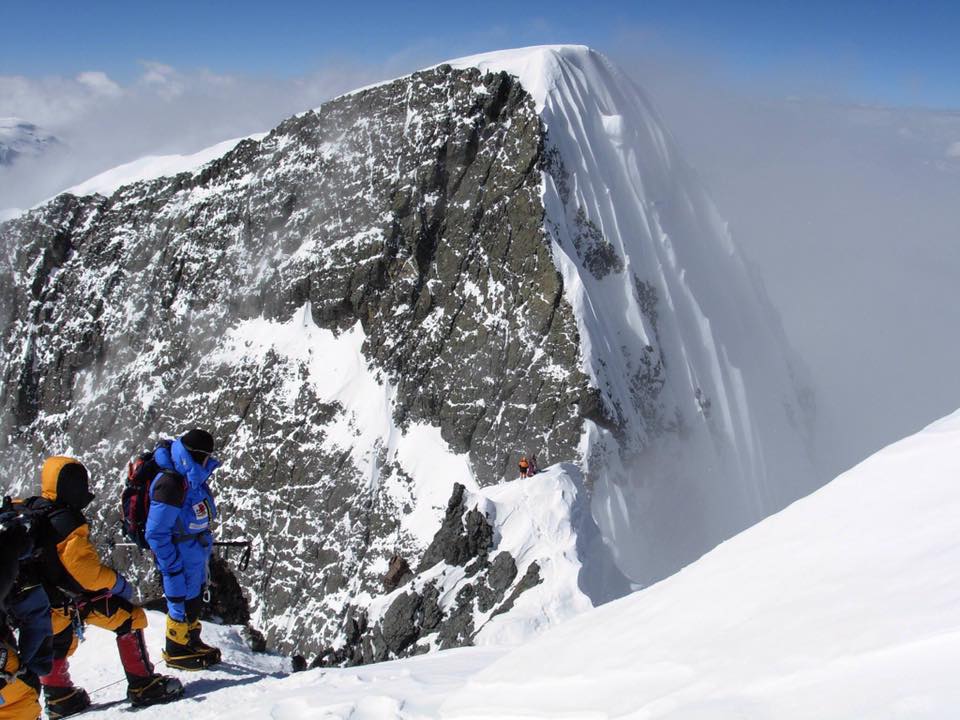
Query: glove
121	588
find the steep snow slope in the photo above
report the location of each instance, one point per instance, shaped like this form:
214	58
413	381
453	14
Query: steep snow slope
710	428
845	605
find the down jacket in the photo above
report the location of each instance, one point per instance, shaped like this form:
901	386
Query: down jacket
178	525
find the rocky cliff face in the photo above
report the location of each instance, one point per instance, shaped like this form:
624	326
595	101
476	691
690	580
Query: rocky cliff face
407	217
403	290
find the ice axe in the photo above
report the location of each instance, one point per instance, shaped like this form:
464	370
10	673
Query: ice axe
244	557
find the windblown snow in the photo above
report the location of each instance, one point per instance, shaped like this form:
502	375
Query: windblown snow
845	605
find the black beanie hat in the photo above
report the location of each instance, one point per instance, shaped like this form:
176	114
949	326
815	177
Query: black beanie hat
73	486
199	443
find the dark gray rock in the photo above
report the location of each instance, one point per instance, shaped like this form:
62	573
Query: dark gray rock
400	626
529	580
432	614
503	571
415	617
256	641
463	536
457	629
599	256
228	603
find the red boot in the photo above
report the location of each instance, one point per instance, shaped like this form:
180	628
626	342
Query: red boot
144	686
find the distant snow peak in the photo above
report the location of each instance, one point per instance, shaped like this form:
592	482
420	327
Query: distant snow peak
20	138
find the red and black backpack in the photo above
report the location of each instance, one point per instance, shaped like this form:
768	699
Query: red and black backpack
135	501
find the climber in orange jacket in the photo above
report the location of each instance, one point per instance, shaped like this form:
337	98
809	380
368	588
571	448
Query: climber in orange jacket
83	590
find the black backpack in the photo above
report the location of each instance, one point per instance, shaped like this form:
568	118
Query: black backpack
135	501
16	519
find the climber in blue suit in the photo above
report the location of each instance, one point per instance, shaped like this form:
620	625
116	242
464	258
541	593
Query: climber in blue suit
178	531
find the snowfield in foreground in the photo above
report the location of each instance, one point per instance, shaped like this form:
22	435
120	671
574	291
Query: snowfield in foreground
248	686
846	605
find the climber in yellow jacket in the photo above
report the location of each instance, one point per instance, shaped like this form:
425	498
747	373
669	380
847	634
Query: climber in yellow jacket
83	590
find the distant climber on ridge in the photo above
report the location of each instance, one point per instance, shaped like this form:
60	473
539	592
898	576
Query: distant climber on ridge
524	466
178	531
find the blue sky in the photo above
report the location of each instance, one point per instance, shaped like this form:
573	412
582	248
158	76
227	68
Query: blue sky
890	52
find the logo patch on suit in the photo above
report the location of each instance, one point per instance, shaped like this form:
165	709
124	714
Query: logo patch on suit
200	510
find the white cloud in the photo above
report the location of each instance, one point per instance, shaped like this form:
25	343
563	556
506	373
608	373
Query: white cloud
953	151
165	110
165	80
850	214
99	83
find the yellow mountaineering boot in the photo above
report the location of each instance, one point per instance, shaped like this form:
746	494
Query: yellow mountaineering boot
180	653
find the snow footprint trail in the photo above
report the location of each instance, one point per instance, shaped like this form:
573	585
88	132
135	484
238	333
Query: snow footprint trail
96	667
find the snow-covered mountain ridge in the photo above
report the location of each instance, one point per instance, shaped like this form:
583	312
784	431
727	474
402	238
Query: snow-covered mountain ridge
402	290
845	605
